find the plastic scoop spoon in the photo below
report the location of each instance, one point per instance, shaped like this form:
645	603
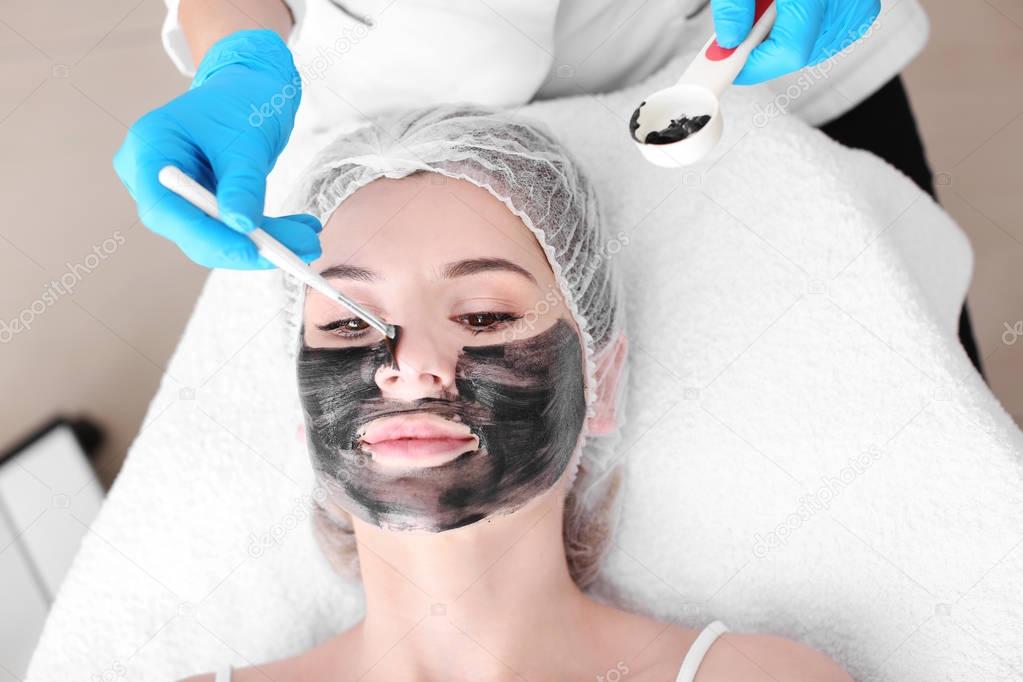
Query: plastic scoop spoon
679	125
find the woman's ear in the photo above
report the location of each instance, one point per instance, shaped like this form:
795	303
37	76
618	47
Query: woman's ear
608	374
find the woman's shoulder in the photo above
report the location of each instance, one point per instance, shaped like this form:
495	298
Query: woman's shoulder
737	656
767	658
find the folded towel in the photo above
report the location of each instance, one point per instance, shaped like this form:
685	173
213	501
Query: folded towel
809	451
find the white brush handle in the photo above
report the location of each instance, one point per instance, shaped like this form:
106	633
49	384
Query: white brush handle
715	67
177	181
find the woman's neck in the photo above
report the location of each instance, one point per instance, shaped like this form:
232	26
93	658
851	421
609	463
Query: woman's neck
482	596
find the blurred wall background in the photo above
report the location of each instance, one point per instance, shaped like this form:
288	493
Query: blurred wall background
74	76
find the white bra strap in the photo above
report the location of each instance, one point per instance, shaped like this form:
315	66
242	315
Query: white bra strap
694	657
224	674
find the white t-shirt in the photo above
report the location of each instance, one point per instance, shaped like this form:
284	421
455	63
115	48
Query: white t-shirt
357	57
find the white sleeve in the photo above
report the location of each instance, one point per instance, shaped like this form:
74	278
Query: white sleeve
176	46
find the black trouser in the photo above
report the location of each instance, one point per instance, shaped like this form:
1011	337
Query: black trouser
898	143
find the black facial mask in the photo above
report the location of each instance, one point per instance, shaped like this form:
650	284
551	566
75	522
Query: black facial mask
524	400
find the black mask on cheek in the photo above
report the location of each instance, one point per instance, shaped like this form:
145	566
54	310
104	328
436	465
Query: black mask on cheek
524	400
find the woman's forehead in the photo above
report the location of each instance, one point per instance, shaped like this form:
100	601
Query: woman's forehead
426	218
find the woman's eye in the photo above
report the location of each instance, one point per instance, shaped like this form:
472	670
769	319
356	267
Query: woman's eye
347	328
486	322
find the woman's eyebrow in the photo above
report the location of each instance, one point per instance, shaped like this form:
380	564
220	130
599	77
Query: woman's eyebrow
473	266
343	271
461	268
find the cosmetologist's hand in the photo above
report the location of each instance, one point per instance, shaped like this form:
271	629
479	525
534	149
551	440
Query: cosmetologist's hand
805	33
226	132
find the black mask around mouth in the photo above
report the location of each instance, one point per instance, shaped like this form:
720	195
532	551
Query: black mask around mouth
524	400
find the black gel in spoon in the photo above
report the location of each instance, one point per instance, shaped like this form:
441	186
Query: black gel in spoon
677	130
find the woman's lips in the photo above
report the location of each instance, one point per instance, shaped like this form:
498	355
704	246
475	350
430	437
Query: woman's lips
418	440
419	452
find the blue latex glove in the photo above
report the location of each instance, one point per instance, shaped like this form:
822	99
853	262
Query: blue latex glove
226	132
805	33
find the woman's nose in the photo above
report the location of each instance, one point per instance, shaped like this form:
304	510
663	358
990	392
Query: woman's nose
426	369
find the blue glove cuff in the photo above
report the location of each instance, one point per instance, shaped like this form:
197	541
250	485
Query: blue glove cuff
255	48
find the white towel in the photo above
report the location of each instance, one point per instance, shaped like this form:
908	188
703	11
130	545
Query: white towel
810	452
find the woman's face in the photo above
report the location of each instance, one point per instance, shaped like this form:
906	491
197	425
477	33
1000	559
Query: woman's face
484	409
